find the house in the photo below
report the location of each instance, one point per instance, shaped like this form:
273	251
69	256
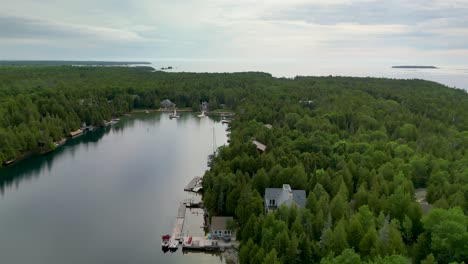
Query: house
219	227
275	197
166	103
260	147
268	126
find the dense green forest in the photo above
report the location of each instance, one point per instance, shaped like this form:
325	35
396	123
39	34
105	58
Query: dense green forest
359	147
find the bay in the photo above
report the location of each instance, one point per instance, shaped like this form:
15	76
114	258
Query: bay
109	195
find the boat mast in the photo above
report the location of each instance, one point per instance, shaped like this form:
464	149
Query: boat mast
214	140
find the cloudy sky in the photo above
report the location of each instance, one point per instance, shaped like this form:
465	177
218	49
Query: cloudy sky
397	31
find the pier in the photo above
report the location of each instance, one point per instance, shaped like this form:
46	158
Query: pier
194	185
191	203
204	244
179	223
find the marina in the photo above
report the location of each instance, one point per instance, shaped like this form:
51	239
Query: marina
211	241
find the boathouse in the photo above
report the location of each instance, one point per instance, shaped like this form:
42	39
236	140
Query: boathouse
275	197
260	147
219	228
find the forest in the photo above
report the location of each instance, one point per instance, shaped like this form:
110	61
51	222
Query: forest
359	147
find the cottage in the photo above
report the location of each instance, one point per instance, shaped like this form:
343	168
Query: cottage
275	197
268	126
260	147
219	227
166	103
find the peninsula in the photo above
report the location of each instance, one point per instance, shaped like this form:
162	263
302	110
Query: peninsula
414	67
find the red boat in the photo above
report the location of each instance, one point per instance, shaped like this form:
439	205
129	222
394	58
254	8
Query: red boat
166	241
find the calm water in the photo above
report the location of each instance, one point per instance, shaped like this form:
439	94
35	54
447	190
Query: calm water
107	196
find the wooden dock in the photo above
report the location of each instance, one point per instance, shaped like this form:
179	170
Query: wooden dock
191	203
193	185
204	244
179	223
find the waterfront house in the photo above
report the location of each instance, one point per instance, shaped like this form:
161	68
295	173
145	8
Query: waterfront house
219	227
275	197
166	103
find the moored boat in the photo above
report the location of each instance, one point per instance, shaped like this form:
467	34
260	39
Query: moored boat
166	240
174	245
9	162
202	114
60	142
174	115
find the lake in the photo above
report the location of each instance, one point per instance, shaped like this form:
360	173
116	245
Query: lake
449	75
109	195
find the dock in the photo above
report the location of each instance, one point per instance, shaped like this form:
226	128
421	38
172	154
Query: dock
76	133
191	203
205	244
179	223
194	185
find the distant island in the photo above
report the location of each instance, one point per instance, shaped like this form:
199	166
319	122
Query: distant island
69	63
414	67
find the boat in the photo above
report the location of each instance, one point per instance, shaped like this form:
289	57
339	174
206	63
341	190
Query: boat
60	143
146	112
166	240
174	115
224	120
9	162
202	114
173	245
213	155
187	241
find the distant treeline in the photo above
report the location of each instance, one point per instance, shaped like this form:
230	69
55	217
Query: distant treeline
359	147
414	67
70	63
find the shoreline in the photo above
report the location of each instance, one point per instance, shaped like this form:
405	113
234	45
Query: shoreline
38	151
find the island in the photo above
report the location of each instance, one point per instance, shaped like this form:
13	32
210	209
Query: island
414	67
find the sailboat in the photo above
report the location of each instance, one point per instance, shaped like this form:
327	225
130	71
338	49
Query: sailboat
212	156
202	114
174	115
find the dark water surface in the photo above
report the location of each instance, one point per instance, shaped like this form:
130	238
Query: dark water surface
107	196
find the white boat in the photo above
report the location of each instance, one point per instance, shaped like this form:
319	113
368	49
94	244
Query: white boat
174	115
225	120
202	114
146	112
174	245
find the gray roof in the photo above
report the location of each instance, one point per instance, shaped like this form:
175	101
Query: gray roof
259	145
268	126
286	196
219	222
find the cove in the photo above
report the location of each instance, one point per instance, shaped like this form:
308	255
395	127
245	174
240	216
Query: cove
109	195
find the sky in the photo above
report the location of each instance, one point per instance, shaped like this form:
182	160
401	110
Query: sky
426	32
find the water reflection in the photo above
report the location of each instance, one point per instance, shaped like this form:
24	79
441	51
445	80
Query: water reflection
29	168
109	195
